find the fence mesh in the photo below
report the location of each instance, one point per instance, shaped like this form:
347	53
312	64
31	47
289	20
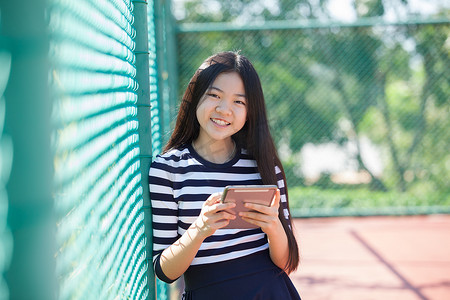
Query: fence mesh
6	153
359	111
98	198
162	289
154	99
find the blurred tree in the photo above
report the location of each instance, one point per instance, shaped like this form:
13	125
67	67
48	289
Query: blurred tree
433	93
315	78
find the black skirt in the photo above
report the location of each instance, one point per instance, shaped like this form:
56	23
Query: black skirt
254	277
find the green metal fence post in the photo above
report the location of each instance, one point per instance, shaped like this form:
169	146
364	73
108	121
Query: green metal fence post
145	138
166	64
160	62
172	70
28	106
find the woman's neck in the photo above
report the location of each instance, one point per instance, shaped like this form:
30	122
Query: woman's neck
218	152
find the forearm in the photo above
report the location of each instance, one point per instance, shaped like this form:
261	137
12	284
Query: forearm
278	246
177	258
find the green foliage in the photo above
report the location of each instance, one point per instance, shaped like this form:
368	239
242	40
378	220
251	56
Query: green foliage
436	60
362	198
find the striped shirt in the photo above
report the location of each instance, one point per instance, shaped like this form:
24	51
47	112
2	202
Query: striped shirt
180	181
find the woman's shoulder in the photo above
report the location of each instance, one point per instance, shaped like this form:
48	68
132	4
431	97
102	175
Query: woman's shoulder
172	156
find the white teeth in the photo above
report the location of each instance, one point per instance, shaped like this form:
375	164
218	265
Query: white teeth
220	122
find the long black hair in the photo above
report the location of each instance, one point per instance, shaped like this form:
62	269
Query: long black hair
254	136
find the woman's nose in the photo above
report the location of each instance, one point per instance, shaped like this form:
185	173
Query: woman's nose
223	107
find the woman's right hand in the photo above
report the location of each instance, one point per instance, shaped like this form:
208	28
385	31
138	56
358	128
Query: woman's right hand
214	215
177	258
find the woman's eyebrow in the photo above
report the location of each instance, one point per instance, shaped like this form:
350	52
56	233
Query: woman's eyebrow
218	89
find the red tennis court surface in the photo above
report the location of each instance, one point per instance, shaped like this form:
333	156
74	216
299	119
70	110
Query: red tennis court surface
401	258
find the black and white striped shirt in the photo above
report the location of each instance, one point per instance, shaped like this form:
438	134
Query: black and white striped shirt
180	181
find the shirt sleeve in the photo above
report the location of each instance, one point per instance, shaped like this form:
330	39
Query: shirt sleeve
283	198
164	212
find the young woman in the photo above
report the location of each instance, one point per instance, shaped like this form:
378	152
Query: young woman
221	138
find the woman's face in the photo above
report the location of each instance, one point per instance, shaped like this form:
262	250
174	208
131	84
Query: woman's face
222	111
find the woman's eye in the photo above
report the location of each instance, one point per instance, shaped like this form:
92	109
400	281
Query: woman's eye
213	95
240	102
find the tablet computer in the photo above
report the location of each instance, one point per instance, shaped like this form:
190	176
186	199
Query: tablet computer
241	194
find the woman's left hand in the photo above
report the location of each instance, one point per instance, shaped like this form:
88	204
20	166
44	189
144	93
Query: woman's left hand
267	218
263	216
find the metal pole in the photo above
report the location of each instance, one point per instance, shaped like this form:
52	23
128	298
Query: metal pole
171	63
145	137
31	274
299	24
162	61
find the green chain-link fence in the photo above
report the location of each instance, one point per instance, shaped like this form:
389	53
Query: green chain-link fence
99	199
27	252
359	111
6	152
79	78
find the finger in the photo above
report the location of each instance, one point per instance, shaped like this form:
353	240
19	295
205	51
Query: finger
217	215
267	210
254	222
224	206
255	216
216	221
218	207
212	199
276	199
258	207
222	224
226	215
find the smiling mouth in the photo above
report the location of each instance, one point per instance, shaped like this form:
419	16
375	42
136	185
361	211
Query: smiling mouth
220	122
